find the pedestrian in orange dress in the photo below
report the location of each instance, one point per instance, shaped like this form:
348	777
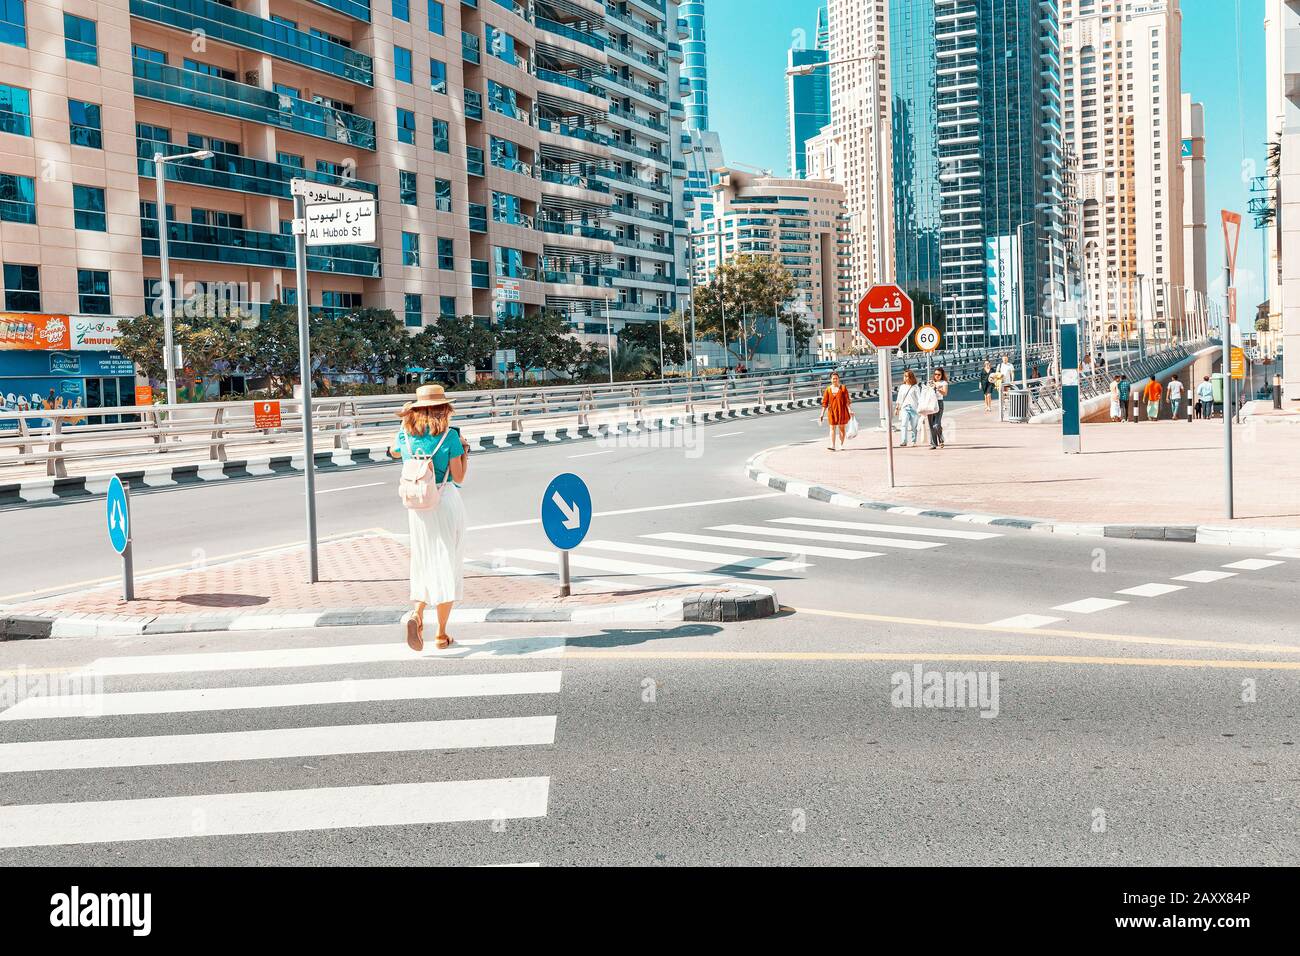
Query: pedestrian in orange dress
835	406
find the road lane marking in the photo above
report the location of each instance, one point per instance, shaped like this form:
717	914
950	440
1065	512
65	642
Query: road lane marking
1205	577
1026	621
193	700
397	737
781	547
630	511
283	811
1089	605
609	565
1252	564
1152	590
592	454
1286	553
327	491
1208	663
720	558
904	543
1048	632
726	434
889	528
295	657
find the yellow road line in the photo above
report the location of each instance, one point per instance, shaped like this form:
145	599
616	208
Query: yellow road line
1050	632
570	653
220	559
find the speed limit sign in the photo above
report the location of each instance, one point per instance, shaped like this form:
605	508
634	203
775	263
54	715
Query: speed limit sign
927	338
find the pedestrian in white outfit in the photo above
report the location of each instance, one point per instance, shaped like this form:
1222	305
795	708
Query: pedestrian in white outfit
438	531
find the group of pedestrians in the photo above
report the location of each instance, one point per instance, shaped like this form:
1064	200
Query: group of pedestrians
913	402
1154	394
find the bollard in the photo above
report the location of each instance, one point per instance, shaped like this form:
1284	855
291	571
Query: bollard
1277	390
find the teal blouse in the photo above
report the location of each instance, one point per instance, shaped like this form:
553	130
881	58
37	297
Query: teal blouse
413	445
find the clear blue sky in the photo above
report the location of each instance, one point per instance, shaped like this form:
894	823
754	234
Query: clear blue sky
748	40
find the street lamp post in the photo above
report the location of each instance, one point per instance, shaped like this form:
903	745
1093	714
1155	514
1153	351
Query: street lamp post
160	185
609	341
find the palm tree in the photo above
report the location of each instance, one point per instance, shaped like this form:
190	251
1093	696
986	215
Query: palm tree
632	362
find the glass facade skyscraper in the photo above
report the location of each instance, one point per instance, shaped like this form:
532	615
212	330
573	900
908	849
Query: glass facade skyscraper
695	68
808	98
977	150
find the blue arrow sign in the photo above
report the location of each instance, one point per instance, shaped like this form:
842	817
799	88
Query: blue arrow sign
118	514
566	511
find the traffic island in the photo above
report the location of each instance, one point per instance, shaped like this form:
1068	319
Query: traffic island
363	581
1160	481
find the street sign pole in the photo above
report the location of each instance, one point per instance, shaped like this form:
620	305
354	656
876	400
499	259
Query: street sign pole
128	563
566	518
564	574
1071	440
887	402
1231	232
886	319
304	365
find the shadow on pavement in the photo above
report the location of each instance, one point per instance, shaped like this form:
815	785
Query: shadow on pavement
627	637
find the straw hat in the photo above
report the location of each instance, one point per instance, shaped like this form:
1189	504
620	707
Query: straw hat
427	396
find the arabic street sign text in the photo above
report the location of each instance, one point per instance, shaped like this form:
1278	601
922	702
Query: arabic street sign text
344	222
885	316
315	194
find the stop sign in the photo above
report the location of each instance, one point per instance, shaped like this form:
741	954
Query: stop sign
885	316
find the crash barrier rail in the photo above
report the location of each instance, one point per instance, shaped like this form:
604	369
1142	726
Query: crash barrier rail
208	431
1045	392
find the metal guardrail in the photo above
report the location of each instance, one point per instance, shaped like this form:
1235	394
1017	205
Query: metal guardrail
211	429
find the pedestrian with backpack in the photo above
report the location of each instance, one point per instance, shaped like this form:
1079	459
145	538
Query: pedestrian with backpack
434	462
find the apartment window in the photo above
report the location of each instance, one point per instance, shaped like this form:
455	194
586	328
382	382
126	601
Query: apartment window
92	292
500	44
436	18
402	10
405	126
410	248
157	135
15	110
13	22
285	90
80	40
22	288
341	301
17	198
88	208
289	159
505	207
442	194
447	304
148	54
446	254
284	21
504	100
406	183
437	76
509	262
402	63
209	69
86	126
199	141
337	170
414	306
441	136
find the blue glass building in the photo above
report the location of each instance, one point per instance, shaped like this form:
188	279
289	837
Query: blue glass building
977	159
695	66
808	103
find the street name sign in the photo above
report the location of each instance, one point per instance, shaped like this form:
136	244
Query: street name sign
316	194
329	224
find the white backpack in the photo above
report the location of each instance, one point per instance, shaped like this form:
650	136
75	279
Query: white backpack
416	487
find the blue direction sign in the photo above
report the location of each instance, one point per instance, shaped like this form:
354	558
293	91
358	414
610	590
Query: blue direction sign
118	514
566	511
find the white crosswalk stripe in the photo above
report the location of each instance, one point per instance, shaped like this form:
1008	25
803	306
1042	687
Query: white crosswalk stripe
890	528
720	558
835	536
286	806
758	544
609	565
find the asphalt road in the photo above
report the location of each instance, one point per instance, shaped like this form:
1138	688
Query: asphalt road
1144	711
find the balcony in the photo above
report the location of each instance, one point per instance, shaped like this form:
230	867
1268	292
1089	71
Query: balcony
469	47
357	9
244	247
474	161
573	179
219	22
572	82
477	217
640	120
168	84
642	28
236	173
518	9
633	180
594	40
478	274
576	229
473	104
577	132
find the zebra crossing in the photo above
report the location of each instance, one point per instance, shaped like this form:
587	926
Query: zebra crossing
718	554
52	743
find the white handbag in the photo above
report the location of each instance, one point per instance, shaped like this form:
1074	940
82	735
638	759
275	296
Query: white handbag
929	403
416	487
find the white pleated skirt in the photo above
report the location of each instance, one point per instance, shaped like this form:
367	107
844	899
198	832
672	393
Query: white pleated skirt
438	550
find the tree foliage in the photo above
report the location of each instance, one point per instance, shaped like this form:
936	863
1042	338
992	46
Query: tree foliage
745	295
645	335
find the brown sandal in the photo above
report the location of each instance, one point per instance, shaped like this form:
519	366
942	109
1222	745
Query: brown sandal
414	631
444	641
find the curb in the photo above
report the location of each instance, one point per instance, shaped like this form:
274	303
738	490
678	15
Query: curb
1183	534
53	491
736	604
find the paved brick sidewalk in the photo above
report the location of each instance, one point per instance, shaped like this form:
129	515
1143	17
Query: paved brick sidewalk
356	573
1135	473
